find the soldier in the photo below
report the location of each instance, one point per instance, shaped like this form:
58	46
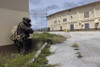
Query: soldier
23	31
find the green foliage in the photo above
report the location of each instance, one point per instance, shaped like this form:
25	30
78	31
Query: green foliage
5	57
79	55
19	60
34	65
41	60
76	49
42	57
75	45
40	38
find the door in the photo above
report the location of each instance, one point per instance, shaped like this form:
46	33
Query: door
48	29
87	26
72	27
96	25
60	28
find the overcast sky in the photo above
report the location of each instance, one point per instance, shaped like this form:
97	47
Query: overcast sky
39	8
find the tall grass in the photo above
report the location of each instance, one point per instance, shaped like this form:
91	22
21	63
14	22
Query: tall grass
39	38
17	60
41	60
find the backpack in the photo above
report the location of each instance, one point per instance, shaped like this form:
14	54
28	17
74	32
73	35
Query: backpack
14	33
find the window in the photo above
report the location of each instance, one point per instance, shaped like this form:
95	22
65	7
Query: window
55	22
64	20
71	17
86	14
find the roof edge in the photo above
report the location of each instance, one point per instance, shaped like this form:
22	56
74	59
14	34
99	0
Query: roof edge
73	8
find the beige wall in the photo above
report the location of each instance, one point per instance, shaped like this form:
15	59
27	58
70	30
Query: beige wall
88	8
97	12
19	5
9	17
73	13
97	8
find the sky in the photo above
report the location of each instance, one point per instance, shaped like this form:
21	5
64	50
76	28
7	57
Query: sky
39	9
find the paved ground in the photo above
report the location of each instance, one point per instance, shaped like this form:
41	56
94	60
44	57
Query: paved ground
65	55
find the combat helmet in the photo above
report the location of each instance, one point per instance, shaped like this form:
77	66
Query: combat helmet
26	20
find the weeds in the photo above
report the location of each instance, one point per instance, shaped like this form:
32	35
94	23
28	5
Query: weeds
79	55
19	60
39	38
77	48
75	45
41	60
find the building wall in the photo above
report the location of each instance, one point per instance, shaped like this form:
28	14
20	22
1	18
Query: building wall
11	13
88	8
72	15
75	16
97	8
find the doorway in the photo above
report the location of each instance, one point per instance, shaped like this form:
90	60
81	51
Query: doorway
72	27
87	26
48	29
60	28
96	25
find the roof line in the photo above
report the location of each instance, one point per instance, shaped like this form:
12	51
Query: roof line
73	8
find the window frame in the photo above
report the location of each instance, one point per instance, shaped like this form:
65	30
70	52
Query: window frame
55	22
86	14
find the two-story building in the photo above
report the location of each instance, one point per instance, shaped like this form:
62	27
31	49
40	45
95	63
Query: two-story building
85	17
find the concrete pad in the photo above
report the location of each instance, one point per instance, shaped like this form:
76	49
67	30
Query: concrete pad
65	55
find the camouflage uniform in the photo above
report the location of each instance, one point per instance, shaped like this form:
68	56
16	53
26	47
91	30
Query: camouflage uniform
23	31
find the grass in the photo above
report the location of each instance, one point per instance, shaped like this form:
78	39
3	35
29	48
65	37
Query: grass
5	57
79	55
17	60
41	60
39	38
76	49
75	45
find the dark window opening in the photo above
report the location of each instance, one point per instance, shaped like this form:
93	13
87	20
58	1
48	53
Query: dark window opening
64	20
71	17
